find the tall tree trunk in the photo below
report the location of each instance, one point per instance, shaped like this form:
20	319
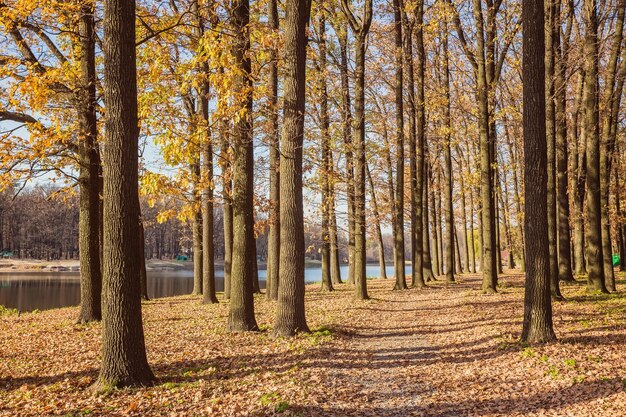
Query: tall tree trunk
471	240
124	361
196	227
464	219
346	117
379	233
436	227
537	326
579	173
429	274
621	224
290	317
360	28
399	200
335	271
550	14
241	316
448	211
488	261
208	256
419	273
327	164
516	194
562	200
89	171
610	95
595	278
273	243
205	178
227	207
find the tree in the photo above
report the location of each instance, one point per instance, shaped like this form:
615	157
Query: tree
51	77
273	255
290	317
124	361
537	326
360	28
448	211
400	283
327	164
595	260
241	316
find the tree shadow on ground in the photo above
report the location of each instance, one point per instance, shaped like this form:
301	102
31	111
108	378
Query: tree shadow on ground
549	401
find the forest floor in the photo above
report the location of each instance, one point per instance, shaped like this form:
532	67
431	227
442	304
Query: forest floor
447	350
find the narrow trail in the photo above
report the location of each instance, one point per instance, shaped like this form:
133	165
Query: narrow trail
392	350
449	350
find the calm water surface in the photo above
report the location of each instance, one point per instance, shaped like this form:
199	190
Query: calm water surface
29	291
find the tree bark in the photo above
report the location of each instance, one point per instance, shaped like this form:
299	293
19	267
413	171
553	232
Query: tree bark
550	14
448	211
124	361
398	206
379	233
273	243
290	318
563	212
606	146
537	325
488	261
196	227
89	171
346	118
420	272
595	278
327	164
579	173
241	317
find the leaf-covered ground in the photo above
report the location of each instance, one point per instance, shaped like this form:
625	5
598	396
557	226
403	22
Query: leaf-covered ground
441	351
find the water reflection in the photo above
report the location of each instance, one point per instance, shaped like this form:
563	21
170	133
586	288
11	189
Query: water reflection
27	291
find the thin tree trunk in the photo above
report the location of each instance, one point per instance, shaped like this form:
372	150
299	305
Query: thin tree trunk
429	274
448	212
346	117
578	171
595	278
327	166
273	243
335	271
89	171
610	95
208	256
290	317
143	274
488	259
464	218
227	207
551	140
419	273
562	200
400	283
196	227
379	233
124	361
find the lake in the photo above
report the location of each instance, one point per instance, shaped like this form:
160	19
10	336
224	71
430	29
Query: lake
27	291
